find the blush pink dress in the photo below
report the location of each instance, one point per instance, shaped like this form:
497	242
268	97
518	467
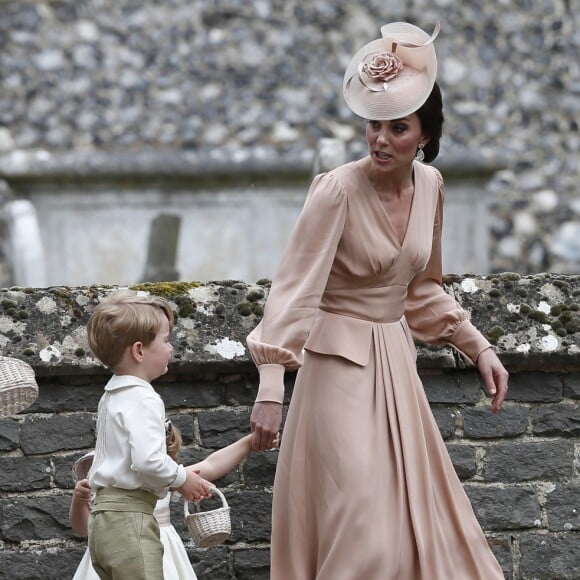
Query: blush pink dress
364	486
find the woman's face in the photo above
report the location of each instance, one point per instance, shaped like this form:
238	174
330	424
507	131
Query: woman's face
393	144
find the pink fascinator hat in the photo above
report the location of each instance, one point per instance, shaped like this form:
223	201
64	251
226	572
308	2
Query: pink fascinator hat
391	77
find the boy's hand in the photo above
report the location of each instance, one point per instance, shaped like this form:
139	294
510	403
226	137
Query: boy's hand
195	487
82	491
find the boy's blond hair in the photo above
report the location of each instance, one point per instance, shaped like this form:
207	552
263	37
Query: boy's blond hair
122	319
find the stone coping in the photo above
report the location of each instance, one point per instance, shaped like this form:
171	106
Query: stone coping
179	163
533	321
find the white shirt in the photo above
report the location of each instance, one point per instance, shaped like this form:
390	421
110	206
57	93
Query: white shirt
131	452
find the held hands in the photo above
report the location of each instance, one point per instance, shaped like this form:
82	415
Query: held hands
195	487
265	424
495	377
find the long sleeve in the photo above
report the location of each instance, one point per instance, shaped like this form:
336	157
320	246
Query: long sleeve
130	451
434	316
146	431
276	343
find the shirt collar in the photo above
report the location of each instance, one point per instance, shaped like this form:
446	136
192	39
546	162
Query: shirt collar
121	381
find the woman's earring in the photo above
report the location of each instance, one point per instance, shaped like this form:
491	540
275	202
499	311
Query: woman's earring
419	156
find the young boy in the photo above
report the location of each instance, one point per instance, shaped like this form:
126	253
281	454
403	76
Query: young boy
130	334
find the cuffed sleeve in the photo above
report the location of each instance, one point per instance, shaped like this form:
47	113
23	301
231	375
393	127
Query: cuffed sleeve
297	288
469	341
180	477
271	383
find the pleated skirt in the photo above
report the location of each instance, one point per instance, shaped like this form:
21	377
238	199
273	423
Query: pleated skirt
364	486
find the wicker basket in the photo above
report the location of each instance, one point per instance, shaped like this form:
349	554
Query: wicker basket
82	466
210	528
18	387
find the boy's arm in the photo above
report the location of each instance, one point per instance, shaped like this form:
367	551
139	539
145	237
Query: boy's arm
224	460
80	507
143	421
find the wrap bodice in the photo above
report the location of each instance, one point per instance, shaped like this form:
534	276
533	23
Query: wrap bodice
344	270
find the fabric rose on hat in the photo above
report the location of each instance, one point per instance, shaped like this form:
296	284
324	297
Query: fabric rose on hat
383	67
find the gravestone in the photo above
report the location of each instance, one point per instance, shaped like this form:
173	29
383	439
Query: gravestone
162	252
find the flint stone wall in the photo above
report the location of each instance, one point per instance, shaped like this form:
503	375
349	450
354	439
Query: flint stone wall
520	467
240	82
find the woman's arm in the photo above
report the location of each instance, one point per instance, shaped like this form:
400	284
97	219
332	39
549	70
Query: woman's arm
433	315
436	317
224	460
276	344
80	507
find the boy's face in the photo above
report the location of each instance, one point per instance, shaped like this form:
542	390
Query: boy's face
157	354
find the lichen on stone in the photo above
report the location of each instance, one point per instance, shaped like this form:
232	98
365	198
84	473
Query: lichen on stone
468	285
169	290
226	348
564	286
186	307
519	325
539	316
494	334
549	343
257	309
244	308
254	295
47	305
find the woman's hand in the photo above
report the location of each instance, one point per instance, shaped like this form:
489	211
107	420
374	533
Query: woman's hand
495	377
265	424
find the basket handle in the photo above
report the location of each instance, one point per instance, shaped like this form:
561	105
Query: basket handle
196	507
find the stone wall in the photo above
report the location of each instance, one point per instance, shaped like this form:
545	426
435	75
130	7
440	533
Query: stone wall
213	226
520	467
234	82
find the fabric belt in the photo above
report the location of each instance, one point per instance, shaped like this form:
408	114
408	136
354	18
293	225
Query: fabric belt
114	499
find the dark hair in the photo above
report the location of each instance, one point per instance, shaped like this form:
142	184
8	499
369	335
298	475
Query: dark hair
431	118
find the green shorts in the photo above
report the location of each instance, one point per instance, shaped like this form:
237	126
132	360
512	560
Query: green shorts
124	535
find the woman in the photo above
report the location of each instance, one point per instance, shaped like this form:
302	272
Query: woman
364	486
